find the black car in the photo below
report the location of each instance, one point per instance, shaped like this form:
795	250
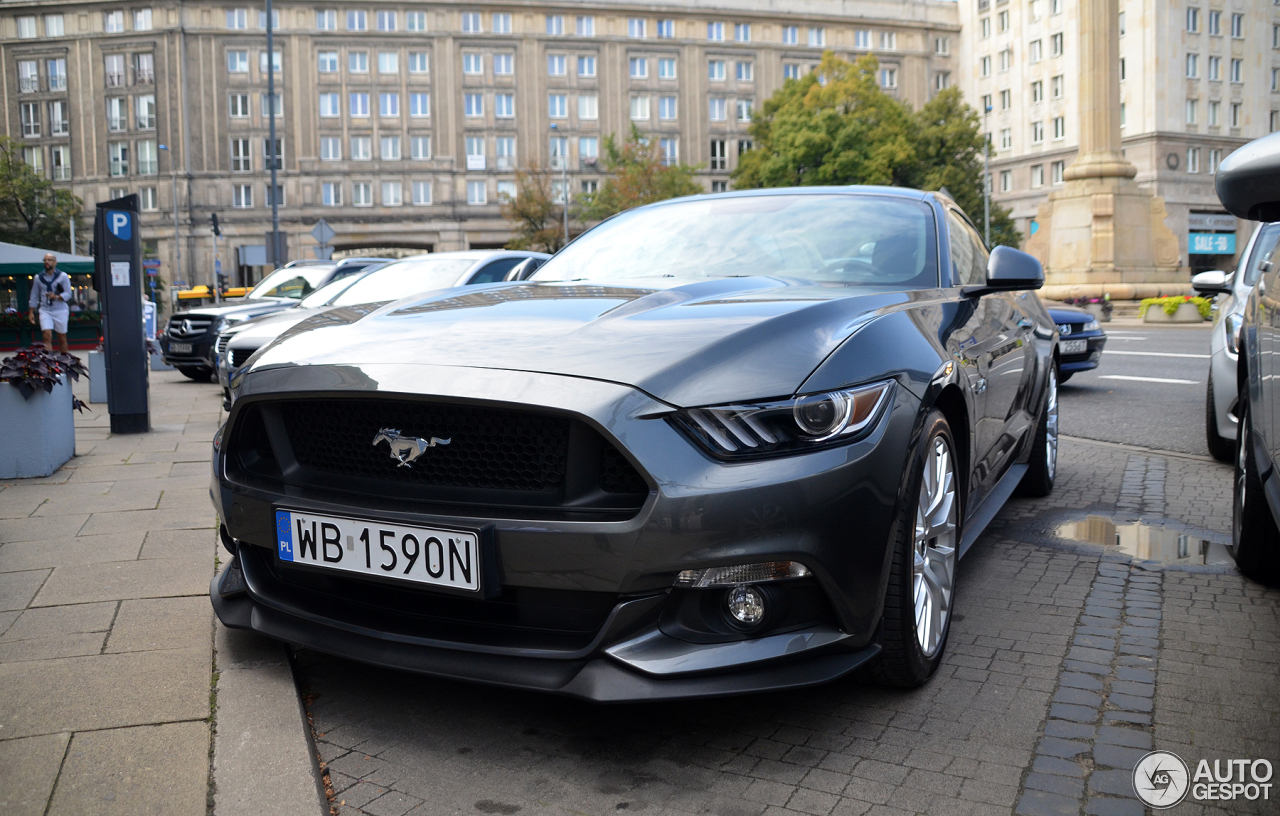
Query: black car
1246	184
718	444
189	343
1080	340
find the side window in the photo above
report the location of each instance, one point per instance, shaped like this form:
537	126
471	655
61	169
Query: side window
968	256
1261	259
495	271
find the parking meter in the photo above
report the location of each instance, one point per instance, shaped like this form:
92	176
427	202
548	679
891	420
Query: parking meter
118	274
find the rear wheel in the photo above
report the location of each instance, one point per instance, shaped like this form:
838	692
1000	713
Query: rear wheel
1220	448
1255	541
918	601
197	373
1043	465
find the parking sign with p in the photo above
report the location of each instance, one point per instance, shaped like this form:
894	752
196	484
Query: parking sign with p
120	225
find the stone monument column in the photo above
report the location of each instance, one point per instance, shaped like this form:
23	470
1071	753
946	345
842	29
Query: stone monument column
1102	233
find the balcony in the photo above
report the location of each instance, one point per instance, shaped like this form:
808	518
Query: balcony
589	164
116	124
505	163
115	80
59	127
58	82
28	84
30	129
144	76
119	167
146	121
148	167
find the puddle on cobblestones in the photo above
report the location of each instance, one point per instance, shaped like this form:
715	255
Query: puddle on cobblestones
1146	541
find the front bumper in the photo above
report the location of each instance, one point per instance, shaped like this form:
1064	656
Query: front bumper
201	354
1087	361
831	510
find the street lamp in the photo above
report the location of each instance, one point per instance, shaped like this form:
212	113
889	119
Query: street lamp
564	181
986	177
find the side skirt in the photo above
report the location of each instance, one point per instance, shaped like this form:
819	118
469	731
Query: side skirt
991	505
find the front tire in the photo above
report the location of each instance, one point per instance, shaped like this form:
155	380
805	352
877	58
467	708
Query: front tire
1255	541
921	591
1043	465
1220	448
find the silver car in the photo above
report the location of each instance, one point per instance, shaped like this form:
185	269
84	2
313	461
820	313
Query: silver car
1221	419
391	281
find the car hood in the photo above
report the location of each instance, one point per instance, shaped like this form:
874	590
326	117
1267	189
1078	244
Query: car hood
1069	314
240	308
694	343
260	330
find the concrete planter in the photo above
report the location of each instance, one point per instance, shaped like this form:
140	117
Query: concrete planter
40	433
1186	313
97	376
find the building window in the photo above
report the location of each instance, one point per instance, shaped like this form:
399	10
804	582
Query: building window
30	114
1006	181
327	19
817	37
358	62
1055	45
715	32
145	112
557	106
328	105
474	104
1056	170
360	105
744	145
584	26
1037	175
357	21
1006	99
389	104
1215	23
590	186
1215	106
559	147
1002	21
119	158
790	35
715	70
420	148
275	19
984	26
58	123
639	67
268	158
276	64
1035	51
327	62
148	160
1006	139
475	152
1193	160
666	68
421	193
588	106
636	28
984	66
53	25
716	109
745	71
1059	127
889	40
744	110
666	29
1123	115
1037	91
60	157
419	105
418	62
117	115
386	20
718	160
742	32
362	194
389	148
1237	70
112	22
862	39
331	194
1275	121
391	194
238	105
1215	159
237	63
1193	66
888	77
388	62
1006	59
1192	111
1237	26
330	148
1056	86
1193	19
1215	68
555	27
586	66
147	199
504	106
1037	132
667	107
26	28
719	186
1235	113
471	23
141	22
33	157
640	108
670	149
361	148
503	64
791	71
942	45
415	20
28	76
588	149
477	192
556	65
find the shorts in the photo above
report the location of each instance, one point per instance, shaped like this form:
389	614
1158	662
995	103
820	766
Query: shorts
56	321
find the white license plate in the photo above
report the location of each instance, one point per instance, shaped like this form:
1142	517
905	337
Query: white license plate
180	348
1073	346
444	558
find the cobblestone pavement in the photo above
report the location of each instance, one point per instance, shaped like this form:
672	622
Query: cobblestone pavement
1066	663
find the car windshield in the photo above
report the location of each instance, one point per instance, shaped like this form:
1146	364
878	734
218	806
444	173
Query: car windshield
865	240
295	282
328	292
405	278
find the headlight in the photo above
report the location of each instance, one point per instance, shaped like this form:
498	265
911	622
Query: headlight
1092	325
1232	325
781	427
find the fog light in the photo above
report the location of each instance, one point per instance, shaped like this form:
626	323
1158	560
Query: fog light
746	605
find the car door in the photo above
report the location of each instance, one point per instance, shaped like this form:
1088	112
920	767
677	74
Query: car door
1264	264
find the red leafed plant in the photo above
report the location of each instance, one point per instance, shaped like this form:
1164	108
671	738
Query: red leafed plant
40	367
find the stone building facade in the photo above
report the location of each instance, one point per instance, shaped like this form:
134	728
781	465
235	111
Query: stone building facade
1199	78
402	123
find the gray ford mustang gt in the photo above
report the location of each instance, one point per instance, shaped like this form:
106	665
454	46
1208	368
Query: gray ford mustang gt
716	445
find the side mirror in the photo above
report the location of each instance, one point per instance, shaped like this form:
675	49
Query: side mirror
1212	283
1246	180
1009	269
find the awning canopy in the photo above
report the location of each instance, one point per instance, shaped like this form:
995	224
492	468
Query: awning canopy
16	259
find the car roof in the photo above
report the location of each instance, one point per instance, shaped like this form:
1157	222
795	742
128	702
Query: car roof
851	189
477	254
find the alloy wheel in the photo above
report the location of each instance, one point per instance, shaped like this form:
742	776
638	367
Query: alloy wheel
934	546
1051	425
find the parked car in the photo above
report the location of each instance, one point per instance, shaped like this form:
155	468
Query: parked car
189	341
1246	184
711	447
1232	291
385	282
1080	340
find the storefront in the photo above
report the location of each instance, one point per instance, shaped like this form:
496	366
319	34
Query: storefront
18	267
1211	241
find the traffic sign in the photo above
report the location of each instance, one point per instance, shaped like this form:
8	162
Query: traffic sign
1208	243
324	253
322	232
151	262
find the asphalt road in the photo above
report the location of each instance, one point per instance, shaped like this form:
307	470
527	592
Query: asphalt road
1123	400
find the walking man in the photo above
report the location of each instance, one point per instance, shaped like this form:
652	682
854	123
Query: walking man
50	298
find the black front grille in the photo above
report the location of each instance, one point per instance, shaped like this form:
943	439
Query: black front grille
239	356
488	448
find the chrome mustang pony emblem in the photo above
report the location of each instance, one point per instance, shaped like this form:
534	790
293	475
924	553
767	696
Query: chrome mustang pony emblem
405	449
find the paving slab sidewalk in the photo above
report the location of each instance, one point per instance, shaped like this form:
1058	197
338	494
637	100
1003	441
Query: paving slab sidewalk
109	692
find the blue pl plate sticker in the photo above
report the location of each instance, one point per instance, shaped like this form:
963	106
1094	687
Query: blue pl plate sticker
284	536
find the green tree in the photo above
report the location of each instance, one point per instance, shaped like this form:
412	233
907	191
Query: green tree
638	176
32	211
948	139
533	212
